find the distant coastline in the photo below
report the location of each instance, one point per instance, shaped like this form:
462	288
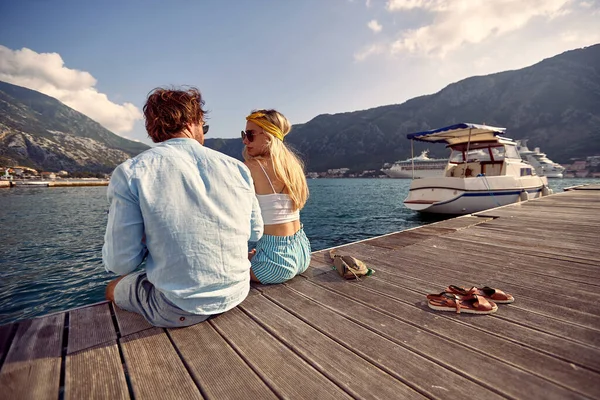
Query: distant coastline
54	183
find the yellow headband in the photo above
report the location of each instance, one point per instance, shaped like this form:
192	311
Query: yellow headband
259	119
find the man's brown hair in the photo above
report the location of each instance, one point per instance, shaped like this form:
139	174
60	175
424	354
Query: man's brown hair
168	112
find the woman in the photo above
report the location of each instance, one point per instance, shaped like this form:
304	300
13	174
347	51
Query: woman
283	251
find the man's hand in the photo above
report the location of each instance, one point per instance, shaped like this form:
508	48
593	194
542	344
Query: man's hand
251	254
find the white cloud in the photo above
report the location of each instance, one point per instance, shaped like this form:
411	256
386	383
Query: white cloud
469	21
579	38
46	73
368	3
431	5
369	51
374	26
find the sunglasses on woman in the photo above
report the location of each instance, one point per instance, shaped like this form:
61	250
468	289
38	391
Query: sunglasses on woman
248	135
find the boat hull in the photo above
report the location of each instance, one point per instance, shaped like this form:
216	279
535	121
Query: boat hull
459	196
408	174
554	175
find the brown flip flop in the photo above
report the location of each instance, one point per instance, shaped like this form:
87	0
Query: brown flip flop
472	304
496	295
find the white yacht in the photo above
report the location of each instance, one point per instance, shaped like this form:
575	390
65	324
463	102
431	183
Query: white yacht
422	165
542	164
484	171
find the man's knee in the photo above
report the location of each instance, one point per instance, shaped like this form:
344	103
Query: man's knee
110	289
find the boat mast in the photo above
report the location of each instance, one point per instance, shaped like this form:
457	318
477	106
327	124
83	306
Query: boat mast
466	155
412	157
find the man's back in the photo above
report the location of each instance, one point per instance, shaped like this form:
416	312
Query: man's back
196	207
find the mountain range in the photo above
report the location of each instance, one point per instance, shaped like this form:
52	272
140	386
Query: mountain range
40	132
554	103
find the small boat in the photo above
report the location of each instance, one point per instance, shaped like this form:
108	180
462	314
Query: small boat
32	183
484	171
422	165
542	164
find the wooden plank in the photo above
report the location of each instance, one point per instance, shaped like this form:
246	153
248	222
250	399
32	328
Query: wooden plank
573	205
585	187
553	326
462	222
464	249
499	344
427	376
575	241
539	226
540	213
129	322
560	345
442	277
155	369
6	333
560	209
480	269
492	248
513	245
436	347
329	357
284	372
318	265
431	230
538	230
557	271
433	283
397	241
215	366
550	246
564	268
314	271
538	322
95	373
365	248
32	367
89	327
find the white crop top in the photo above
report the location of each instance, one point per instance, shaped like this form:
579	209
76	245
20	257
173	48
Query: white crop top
276	208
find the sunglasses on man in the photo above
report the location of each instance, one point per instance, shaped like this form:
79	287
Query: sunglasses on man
248	135
205	129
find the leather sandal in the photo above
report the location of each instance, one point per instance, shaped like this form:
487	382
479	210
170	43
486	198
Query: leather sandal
496	295
472	304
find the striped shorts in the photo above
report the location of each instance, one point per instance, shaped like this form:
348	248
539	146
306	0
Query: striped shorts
280	258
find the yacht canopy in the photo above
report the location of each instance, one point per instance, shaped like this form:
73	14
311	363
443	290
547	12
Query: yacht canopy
458	133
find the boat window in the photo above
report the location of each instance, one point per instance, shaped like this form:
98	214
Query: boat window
498	153
458	156
526	172
511	151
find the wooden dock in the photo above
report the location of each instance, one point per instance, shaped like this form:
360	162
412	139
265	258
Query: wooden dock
320	337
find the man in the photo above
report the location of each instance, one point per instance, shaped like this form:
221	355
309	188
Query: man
188	212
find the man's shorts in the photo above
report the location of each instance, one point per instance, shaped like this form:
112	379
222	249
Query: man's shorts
137	294
280	258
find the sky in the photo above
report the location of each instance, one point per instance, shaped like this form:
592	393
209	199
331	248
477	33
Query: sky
301	57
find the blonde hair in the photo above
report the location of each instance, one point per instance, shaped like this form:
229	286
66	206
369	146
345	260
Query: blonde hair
288	167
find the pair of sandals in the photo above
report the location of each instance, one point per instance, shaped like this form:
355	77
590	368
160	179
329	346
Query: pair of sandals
471	301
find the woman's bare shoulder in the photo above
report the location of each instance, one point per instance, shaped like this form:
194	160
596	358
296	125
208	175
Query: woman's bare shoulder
255	171
251	163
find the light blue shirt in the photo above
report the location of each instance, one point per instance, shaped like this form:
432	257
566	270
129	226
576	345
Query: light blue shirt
197	210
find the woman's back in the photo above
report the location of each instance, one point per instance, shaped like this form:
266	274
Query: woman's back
274	199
